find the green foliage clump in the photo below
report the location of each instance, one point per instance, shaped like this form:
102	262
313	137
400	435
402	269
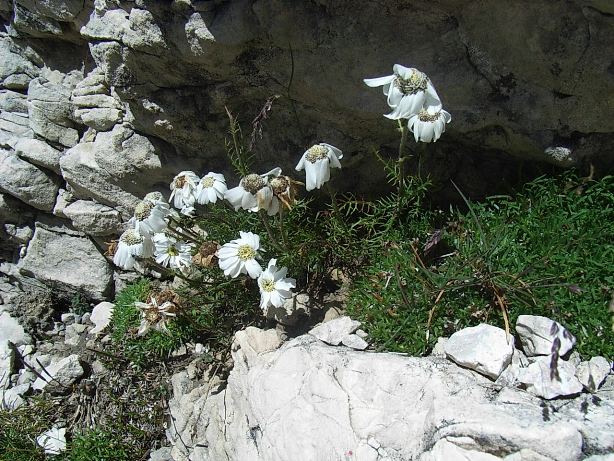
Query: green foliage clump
548	251
101	445
20	427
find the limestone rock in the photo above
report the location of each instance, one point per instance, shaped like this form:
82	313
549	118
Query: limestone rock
372	406
11	399
93	218
101	316
143	33
541	381
72	334
39	153
355	342
60	375
60	10
71	261
95	106
110	25
592	373
537	335
50	111
53	441
12	101
252	341
116	169
484	348
16	66
27	182
334	331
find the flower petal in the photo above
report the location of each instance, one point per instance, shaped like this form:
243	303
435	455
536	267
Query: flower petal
378	81
253	268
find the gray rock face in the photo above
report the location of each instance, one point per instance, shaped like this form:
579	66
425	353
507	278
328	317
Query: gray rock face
27	182
39	153
94	105
18	65
485	349
93	218
537	335
116	169
60	375
371	406
71	261
50	112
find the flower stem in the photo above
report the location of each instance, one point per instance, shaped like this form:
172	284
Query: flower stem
265	220
282	231
404	131
333	198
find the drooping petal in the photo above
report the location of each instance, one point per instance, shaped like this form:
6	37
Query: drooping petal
409	105
432	100
310	176
402	71
394	96
234	196
301	163
323	171
273	207
253	268
378	81
336	151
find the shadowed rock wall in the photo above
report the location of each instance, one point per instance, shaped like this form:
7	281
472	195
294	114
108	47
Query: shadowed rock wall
101	102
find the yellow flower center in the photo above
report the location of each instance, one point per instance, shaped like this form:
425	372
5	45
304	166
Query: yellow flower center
252	183
142	210
152	315
424	116
207	181
279	185
316	153
417	81
267	285
246	252
172	250
131	238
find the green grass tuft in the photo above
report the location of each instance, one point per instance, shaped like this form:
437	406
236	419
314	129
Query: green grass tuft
548	251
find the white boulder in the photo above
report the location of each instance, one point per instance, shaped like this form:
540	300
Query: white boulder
484	348
540	379
592	373
334	331
537	335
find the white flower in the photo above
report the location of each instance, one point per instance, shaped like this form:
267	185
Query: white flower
149	216
274	286
408	90
428	124
132	244
239	256
183	189
154	315
173	253
211	187
254	193
317	162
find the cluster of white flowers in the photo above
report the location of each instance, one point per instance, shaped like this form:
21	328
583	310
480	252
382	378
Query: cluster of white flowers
412	96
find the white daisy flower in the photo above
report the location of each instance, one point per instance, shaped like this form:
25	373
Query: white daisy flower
428	124
132	244
155	316
172	253
274	286
408	90
183	189
254	193
210	188
239	256
149	216
317	162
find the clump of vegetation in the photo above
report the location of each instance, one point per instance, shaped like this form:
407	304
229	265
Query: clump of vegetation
547	251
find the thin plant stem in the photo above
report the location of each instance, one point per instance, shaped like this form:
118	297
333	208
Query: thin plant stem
265	220
404	131
282	231
333	199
